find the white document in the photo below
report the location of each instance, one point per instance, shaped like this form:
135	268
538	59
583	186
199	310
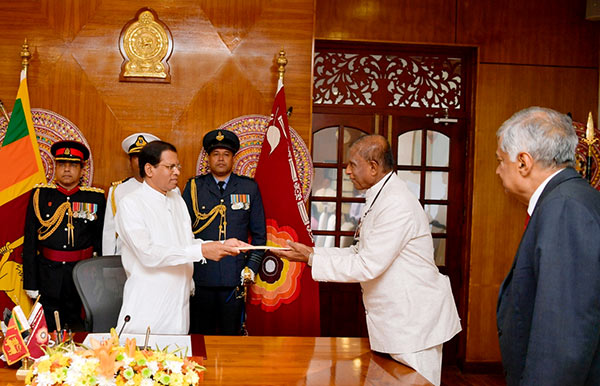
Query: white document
262	247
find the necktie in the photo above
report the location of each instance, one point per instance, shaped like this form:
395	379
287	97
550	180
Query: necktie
221	186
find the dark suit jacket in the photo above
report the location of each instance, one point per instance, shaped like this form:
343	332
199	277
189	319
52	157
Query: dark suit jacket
549	304
241	223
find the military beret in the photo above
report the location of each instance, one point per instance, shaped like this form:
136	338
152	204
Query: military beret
135	142
221	139
72	151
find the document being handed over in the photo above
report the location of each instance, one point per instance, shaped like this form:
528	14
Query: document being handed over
262	247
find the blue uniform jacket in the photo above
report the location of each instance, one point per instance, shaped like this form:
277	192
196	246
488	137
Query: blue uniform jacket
242	221
548	310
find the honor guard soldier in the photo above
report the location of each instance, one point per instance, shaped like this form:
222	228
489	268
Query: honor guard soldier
223	205
63	226
132	146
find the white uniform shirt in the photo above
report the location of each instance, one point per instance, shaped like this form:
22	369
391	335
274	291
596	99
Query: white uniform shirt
111	245
409	304
158	251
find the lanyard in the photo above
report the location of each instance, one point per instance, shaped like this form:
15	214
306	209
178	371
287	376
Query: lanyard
357	232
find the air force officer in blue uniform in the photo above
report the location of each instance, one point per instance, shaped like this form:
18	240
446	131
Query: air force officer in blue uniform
549	304
223	205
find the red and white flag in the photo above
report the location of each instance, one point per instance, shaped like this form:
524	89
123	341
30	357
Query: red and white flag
38	339
285	298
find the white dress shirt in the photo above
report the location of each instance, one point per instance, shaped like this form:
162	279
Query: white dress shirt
538	192
158	251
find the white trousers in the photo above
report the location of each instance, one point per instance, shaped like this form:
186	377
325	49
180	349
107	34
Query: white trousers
426	362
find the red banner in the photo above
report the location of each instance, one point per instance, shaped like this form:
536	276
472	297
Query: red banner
285	299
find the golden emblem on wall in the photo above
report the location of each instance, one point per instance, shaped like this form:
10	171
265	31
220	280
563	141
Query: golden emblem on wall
146	45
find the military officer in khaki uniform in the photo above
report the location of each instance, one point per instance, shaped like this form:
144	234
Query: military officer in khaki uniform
63	226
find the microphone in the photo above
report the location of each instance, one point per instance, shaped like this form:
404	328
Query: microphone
126	320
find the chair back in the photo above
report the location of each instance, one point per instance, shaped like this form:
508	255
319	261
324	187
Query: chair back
99	282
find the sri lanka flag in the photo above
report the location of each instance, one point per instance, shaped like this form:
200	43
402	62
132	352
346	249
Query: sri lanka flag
22	169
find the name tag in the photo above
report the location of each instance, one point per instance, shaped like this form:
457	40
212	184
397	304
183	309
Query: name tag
239	201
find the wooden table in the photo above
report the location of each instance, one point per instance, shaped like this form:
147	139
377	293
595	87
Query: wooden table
256	360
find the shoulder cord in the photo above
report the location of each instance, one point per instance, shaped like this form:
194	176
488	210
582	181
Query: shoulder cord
49	226
113	203
210	216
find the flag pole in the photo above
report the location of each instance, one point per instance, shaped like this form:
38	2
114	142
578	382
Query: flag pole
281	63
25	56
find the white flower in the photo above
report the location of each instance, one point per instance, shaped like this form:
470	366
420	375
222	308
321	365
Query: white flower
147	382
44	379
102	381
174	366
153	366
73	377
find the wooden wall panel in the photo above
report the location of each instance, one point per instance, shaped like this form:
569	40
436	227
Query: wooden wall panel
427	21
222	66
529	32
498	219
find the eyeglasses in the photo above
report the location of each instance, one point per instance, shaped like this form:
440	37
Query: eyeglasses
171	167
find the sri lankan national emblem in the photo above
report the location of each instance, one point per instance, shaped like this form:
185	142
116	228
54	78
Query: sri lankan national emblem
146	45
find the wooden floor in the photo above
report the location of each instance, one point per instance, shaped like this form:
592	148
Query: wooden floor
452	376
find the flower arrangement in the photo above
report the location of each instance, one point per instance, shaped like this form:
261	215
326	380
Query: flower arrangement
107	363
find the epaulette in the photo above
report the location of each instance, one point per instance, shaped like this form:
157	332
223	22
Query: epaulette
245	177
91	189
45	185
196	178
119	182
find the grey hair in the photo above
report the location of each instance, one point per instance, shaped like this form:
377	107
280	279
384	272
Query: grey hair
549	136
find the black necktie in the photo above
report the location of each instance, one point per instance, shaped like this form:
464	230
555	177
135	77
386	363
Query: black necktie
221	186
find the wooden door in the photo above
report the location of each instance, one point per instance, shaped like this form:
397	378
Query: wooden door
335	208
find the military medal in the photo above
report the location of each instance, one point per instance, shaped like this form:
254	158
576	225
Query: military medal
76	209
92	209
240	201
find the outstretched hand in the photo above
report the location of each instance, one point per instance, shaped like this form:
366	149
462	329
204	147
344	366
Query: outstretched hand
215	250
298	252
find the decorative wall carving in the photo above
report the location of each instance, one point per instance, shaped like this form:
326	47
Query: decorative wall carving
351	79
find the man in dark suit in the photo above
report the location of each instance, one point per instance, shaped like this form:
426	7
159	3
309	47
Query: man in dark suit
549	303
223	205
63	226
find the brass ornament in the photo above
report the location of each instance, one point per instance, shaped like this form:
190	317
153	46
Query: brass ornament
141	141
146	45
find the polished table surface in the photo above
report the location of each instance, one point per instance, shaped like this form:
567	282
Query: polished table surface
253	360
